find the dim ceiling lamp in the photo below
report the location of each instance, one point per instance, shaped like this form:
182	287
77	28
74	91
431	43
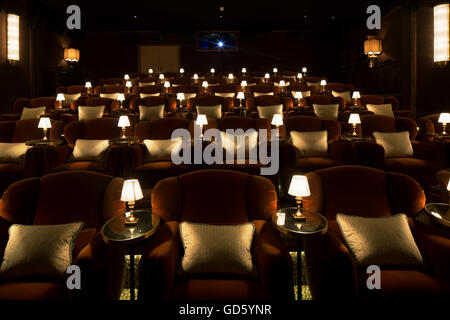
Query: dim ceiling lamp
441	33
372	48
13	44
71	55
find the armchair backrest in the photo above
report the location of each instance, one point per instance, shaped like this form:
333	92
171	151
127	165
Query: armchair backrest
324	99
47	102
263	88
340	87
169	103
372	122
244	123
363	191
111	81
267	100
308	123
95	129
197	197
25	130
190	88
109	104
76	89
159	129
224	88
375	99
226	103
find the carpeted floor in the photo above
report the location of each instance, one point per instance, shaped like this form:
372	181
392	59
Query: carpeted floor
126	291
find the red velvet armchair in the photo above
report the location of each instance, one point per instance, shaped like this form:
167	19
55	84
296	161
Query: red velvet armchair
190	197
367	192
59	199
253	102
19	104
375	99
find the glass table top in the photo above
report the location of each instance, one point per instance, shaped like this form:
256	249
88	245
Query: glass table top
285	223
120	140
115	230
440	212
42	142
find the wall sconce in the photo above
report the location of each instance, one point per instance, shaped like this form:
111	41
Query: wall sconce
71	55
372	48
441	33
13	44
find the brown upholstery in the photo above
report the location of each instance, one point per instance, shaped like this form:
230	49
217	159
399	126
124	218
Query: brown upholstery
375	99
253	102
149	89
47	102
340	87
72	89
369	192
169	103
109	104
223	88
87	196
263	88
248	198
323	99
226	103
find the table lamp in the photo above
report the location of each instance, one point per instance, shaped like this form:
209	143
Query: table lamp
448	185
181	71
126	77
323	83
266	78
356	95
167	86
88	87
282	84
124	122
299	77
128	85
240	96
131	192
212	71
150	71
120	98
275	70
444	118
60	98
354	120
180	96
298	95
161	77
201	121
230	77
244	71
44	123
304	71
299	188
243	85
205	85
277	121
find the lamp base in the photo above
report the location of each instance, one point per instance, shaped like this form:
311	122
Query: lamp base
297	217
131	221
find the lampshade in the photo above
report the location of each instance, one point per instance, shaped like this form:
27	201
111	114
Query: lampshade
13	37
356	95
240	95
323	82
60	97
166	84
195	76
267	76
120	97
277	120
448	185
123	122
212	70
354	119
44	123
131	190
243	83
230	76
372	47
88	85
304	70
442	32
244	70
299	186
71	55
275	70
128	84
126	77
201	120
181	70
282	83
444	118
205	84
161	76
298	95
150	71
180	96
299	76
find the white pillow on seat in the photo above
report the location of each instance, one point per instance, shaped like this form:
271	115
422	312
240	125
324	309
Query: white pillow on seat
109	95
90	150
345	94
12	152
150	113
225	94
267	112
211	112
89	113
326	111
161	150
32	113
145	95
311	143
258	94
304	93
395	144
243	144
217	249
381	109
146	84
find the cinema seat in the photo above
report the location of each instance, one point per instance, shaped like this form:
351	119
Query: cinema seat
110	104
224	90
226	104
110	91
60	199
366	192
263	89
376	99
325	99
253	102
170	104
238	198
21	103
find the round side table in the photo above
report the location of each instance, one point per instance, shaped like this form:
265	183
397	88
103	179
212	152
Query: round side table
314	225
115	232
43	142
122	141
440	212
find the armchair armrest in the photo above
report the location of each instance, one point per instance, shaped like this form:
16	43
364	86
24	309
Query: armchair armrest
159	264
341	151
62	154
274	263
370	154
426	127
138	150
427	151
102	269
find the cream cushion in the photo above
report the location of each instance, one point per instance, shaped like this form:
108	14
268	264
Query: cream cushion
145	95
311	143
345	94
242	145
12	152
395	144
211	112
90	150
146	84
89	113
383	241
381	109
109	95
267	112
304	93
217	249
224	94
258	94
32	113
39	250
189	95
161	150
326	111
150	113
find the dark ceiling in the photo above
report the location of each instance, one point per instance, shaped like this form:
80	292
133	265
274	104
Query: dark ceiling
189	15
